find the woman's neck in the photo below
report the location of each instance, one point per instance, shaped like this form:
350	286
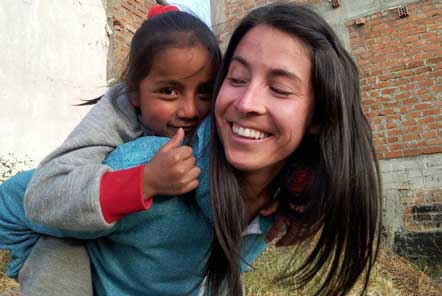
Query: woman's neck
258	196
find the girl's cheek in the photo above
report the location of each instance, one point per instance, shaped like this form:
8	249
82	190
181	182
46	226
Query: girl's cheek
161	109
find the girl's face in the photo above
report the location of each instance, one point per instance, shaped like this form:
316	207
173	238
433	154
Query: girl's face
176	92
265	103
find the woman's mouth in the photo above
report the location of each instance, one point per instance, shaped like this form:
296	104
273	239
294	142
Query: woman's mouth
249	133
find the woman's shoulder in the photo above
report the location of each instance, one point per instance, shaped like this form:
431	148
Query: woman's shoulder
201	145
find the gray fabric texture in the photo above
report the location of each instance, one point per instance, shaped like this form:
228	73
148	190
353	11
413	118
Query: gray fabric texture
56	267
64	190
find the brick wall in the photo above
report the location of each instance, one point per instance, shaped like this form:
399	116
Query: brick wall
235	10
400	61
413	188
124	18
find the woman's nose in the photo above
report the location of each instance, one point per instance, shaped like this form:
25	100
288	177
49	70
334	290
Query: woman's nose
251	100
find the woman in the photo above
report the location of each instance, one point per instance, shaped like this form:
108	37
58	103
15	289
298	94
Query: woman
288	105
289	99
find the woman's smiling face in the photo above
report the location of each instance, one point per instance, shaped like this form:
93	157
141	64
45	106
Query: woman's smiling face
265	104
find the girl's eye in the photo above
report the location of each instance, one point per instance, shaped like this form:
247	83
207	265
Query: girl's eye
168	91
204	97
236	81
204	91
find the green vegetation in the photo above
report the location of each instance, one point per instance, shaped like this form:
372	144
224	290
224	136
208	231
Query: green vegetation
391	276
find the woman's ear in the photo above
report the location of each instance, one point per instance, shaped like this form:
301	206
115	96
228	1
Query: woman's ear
314	129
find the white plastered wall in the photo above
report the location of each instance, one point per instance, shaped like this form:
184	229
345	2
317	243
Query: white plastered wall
52	55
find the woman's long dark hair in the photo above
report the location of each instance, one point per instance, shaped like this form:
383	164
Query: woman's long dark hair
342	199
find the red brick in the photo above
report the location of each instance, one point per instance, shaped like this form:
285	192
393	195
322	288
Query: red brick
418	78
415	64
410	122
392	139
422	106
431	47
426	83
410	39
436	141
388	91
434	60
409	137
416	31
414	129
412	152
397	68
396	147
395	132
395	154
426	119
405	73
402	96
433	149
422	70
432	112
429	134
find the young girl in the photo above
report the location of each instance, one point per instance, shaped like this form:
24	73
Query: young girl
164	91
166	86
288	99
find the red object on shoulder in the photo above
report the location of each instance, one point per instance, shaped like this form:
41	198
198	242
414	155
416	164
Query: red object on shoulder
121	193
299	181
160	9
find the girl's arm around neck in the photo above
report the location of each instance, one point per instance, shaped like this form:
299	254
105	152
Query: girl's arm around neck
68	180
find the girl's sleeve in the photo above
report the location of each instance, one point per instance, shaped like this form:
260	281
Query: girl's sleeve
65	188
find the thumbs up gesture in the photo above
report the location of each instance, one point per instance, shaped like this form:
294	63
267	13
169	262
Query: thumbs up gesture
172	171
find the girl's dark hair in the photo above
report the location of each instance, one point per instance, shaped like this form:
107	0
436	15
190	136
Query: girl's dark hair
171	29
342	197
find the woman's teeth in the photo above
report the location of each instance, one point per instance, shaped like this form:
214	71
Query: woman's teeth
247	132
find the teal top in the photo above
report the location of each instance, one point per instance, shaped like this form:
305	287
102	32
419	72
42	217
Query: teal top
161	251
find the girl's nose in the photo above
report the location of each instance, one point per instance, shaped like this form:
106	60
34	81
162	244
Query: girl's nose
187	108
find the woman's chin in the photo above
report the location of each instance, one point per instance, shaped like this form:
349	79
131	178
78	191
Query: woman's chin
245	164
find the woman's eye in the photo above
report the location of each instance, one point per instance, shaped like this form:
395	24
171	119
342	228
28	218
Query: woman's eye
279	91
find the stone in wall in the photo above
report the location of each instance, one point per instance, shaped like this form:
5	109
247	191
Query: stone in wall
419	246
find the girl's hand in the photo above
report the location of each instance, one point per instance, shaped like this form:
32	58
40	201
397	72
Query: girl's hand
172	171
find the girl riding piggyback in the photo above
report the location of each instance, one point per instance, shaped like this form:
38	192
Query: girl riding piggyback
164	90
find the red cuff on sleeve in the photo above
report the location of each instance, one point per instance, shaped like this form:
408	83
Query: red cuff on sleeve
121	193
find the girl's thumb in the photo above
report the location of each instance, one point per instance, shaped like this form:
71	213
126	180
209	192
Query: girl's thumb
175	141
